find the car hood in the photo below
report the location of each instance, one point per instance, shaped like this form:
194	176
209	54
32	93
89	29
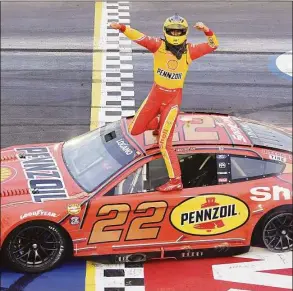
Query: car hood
35	173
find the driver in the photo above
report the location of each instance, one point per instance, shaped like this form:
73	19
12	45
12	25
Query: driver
159	111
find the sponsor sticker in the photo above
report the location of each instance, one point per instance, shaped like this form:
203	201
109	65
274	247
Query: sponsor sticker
43	175
277	158
221	157
275	193
223	180
74	220
73	209
235	131
169	75
7	173
222	165
209	214
38	213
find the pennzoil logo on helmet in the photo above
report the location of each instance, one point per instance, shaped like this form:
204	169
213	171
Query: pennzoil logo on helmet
176	24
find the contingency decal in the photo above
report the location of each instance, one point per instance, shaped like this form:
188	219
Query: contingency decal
44	178
7	173
209	214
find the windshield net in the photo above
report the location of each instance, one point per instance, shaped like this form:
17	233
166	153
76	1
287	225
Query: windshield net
94	157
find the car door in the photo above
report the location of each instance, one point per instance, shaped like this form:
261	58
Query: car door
125	215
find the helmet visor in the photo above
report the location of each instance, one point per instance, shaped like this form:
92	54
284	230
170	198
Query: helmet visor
176	32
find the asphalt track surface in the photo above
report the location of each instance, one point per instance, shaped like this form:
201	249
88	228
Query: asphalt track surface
46	63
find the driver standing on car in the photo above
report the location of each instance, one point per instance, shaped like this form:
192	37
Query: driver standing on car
159	111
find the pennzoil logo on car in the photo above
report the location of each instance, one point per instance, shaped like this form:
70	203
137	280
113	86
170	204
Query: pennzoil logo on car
7	173
209	214
44	177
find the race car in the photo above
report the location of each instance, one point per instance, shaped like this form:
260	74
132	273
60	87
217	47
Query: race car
94	195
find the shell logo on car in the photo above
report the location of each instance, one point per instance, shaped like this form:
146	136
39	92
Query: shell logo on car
209	214
7	173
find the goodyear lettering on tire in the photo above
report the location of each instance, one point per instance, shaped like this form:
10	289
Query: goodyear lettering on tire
209	214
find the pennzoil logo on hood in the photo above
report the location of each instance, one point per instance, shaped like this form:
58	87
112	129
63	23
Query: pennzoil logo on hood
44	177
209	214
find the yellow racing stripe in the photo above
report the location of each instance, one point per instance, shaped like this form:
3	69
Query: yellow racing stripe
90	277
97	68
165	132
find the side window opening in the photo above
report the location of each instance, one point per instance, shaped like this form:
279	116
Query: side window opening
198	170
244	168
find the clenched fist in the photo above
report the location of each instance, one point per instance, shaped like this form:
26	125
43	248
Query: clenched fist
115	25
200	26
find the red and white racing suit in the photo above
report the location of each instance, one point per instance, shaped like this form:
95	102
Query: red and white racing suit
165	96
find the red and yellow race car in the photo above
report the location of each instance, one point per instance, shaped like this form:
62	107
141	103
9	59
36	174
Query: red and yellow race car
94	194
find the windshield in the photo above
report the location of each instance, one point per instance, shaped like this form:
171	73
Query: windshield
262	135
94	157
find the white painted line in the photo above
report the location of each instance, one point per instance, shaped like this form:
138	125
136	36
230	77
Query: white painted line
284	63
127	93
124	14
126	58
251	272
113	88
126	113
113	62
128	102
127	84
126	67
126	75
125	42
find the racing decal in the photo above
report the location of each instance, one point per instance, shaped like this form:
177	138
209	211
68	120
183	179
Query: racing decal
223	168
7	173
74	220
172	64
124	146
276	193
169	75
209	214
192	130
38	213
277	158
116	215
73	209
45	181
235	132
274	155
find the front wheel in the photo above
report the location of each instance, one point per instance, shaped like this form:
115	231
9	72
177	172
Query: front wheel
35	247
277	231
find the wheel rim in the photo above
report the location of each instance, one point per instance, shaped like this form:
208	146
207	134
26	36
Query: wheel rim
34	246
278	233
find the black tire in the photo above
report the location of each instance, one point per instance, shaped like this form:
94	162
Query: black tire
35	247
277	231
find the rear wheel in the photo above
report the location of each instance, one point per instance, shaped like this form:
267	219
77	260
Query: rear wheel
35	247
277	231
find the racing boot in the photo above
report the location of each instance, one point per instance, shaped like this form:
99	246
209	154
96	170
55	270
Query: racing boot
172	185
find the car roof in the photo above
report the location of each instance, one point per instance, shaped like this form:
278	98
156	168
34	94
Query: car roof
201	128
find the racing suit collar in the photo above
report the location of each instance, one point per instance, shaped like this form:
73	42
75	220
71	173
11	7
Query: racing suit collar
176	50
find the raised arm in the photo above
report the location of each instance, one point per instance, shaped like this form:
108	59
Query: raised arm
150	43
197	51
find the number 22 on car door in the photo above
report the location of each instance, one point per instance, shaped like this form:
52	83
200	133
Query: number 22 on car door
117	221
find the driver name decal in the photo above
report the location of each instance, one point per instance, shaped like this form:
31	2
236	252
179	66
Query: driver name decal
124	147
209	214
44	178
